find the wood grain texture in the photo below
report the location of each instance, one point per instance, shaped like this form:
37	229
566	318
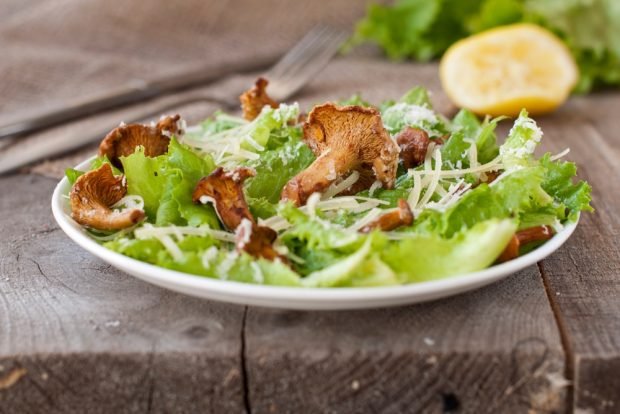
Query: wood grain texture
584	277
85	337
77	335
494	350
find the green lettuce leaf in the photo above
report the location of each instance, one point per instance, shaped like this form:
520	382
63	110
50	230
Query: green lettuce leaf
275	168
558	183
515	195
318	242
72	175
413	109
518	149
428	257
270	120
362	268
166	184
466	125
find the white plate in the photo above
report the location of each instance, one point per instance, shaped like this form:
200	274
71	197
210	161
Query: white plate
288	297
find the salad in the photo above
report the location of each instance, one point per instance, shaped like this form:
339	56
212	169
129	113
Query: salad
349	195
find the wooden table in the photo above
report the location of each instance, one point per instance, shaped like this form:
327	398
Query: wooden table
79	336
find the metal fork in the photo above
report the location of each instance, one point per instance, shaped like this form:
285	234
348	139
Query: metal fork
308	57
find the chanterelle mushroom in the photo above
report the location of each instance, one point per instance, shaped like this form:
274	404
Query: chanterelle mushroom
225	191
92	196
413	143
254	99
256	240
523	237
401	216
345	139
122	141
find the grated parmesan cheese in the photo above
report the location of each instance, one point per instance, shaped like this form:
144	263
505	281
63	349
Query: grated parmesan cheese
560	155
367	219
225	265
374	187
149	231
336	189
244	230
208	256
257	273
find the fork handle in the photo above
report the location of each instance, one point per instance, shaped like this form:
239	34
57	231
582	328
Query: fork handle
133	92
61	144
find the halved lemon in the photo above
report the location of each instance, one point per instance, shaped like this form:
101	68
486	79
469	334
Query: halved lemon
502	70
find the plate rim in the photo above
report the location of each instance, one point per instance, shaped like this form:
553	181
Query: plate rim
286	297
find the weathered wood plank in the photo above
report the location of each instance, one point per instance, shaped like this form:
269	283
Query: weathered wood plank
583	280
493	350
480	351
79	336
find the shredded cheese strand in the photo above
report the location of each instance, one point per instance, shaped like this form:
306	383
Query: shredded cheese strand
414	195
149	231
367	219
430	190
335	189
560	155
492	165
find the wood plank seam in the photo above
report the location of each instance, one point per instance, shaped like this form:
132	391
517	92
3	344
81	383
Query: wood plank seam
244	368
569	366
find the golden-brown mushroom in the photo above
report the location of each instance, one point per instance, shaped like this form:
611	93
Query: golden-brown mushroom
522	237
254	99
225	191
92	196
413	143
345	139
257	241
124	140
401	216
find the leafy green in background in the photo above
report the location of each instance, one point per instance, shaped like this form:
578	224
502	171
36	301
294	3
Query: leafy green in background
424	29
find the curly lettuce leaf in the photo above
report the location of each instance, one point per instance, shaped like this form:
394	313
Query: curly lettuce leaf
72	174
221	263
400	29
355	99
518	149
559	183
219	122
515	195
275	168
429	256
315	234
466	126
166	183
269	120
362	268
318	242
413	109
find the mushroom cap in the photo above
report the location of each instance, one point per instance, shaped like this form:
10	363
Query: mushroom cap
257	241
225	190
413	143
357	132
400	216
254	99
124	140
92	195
345	139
